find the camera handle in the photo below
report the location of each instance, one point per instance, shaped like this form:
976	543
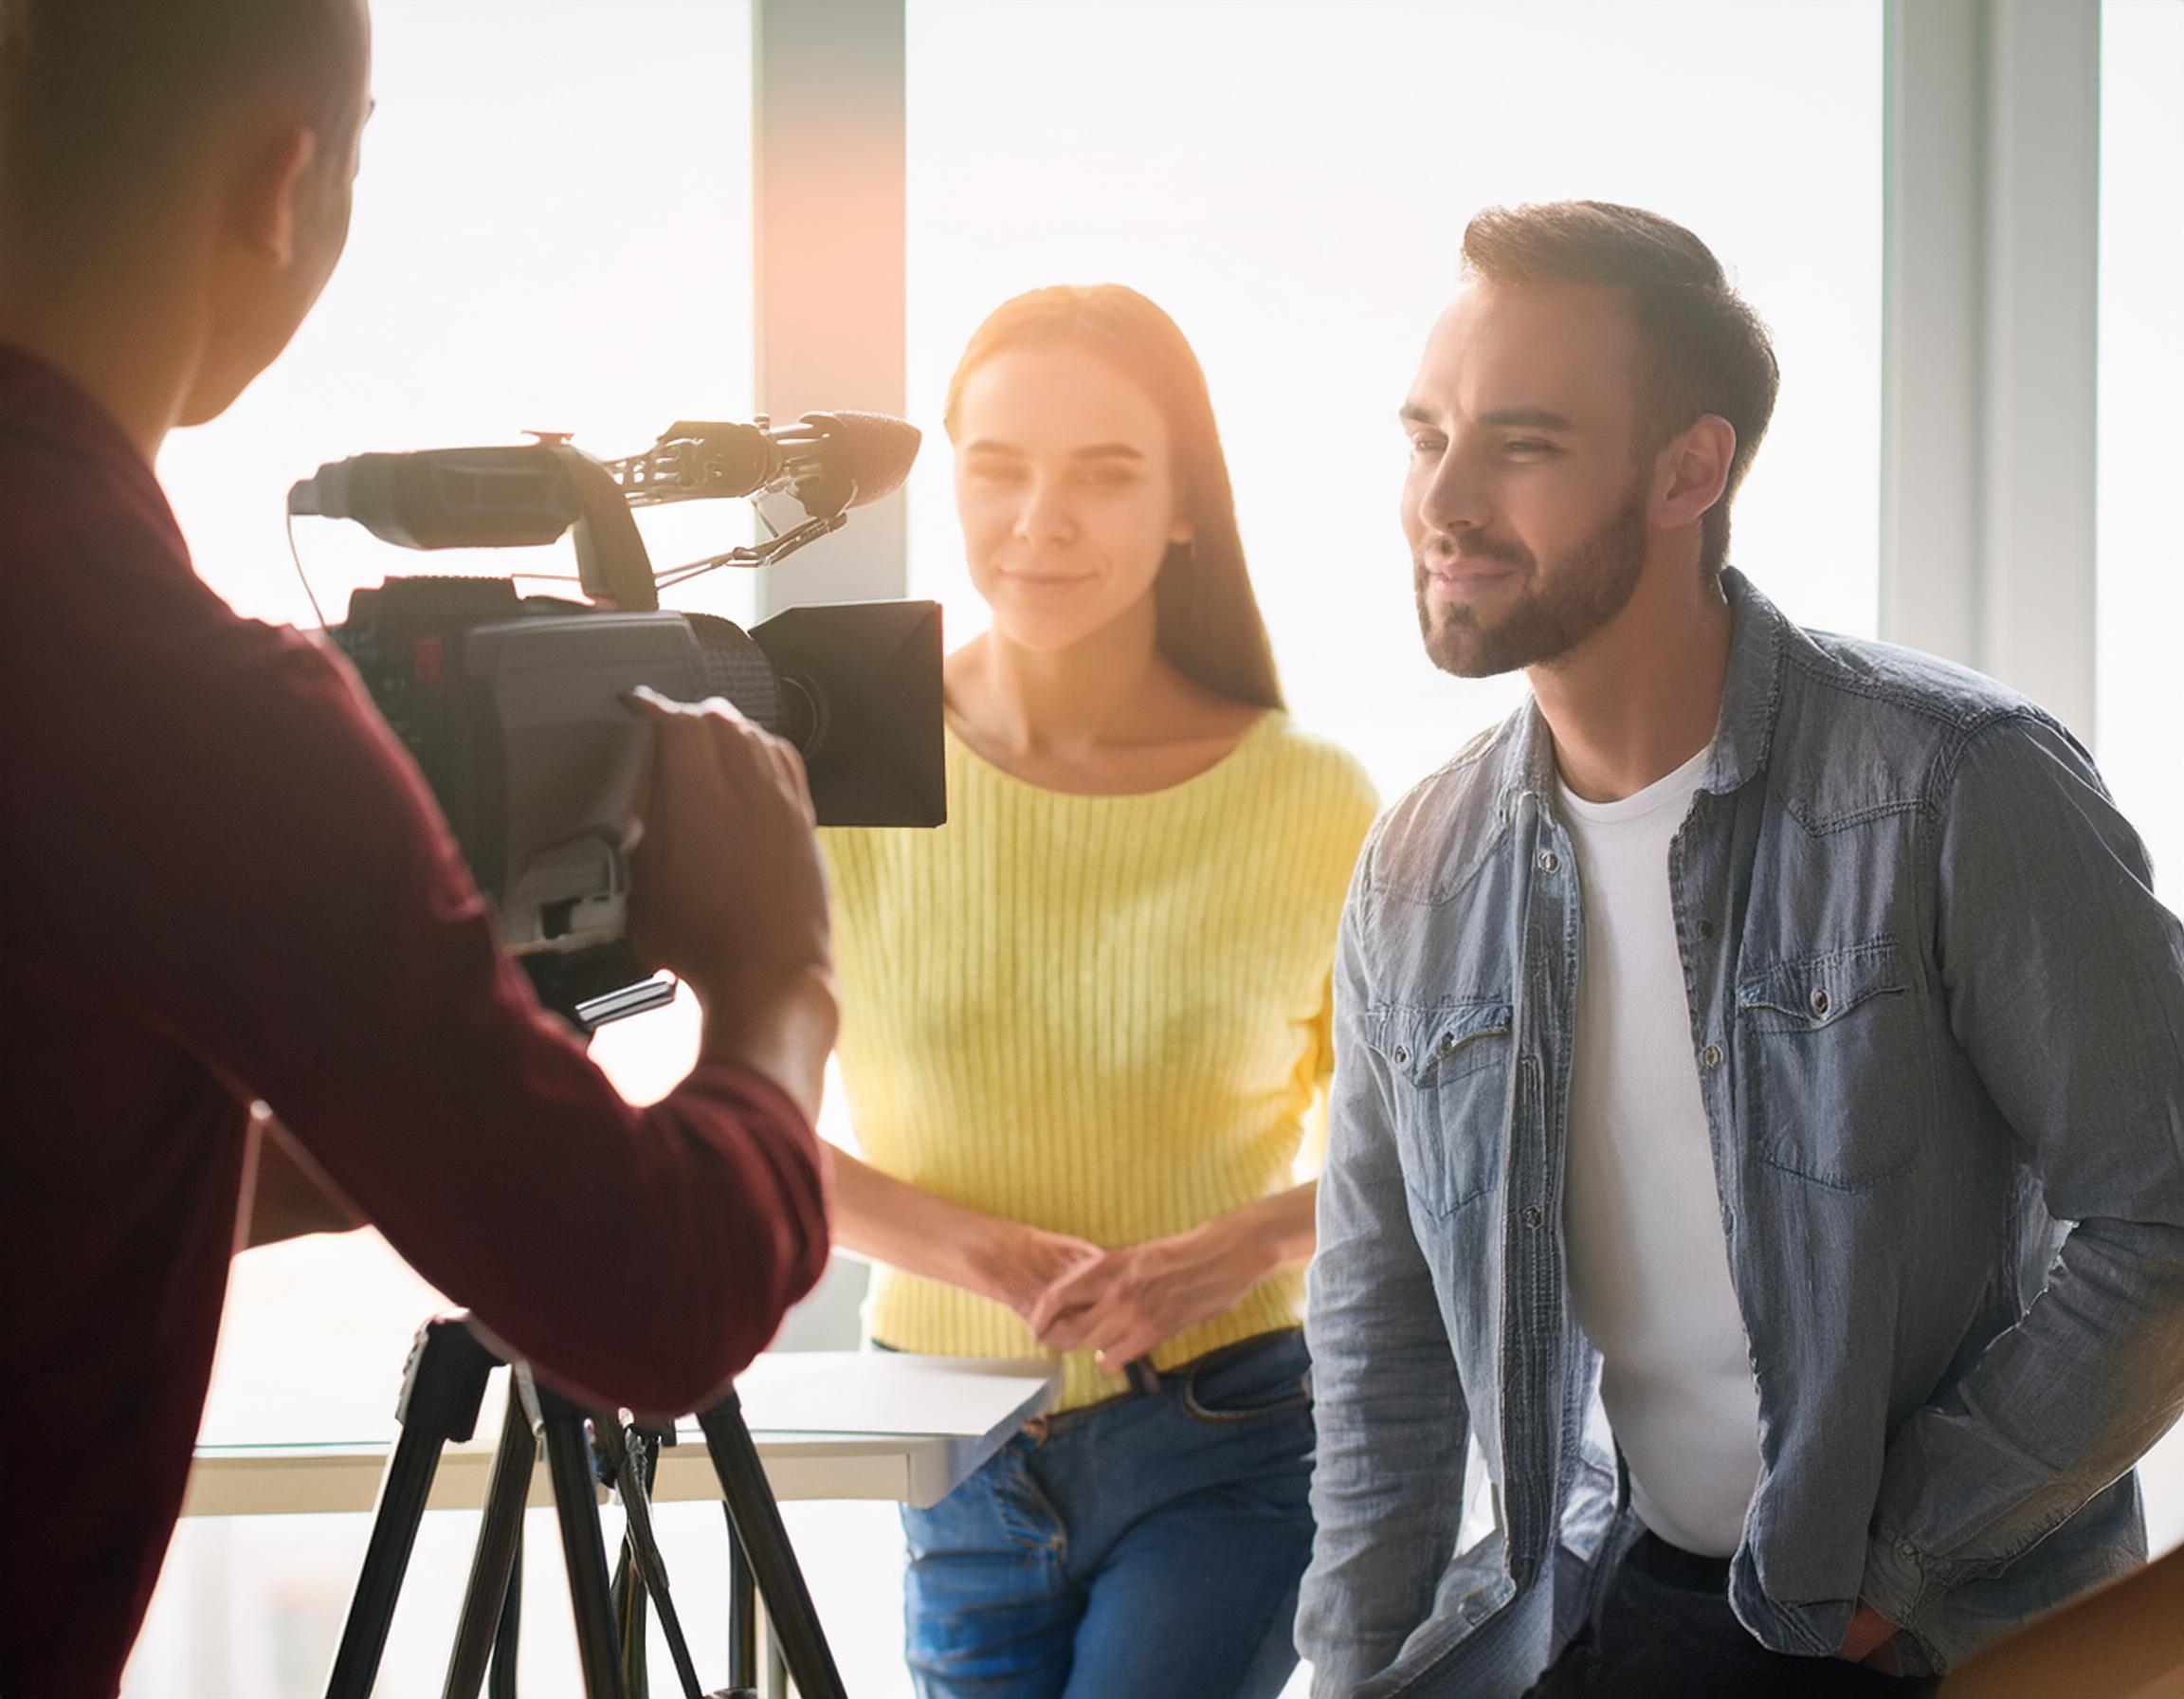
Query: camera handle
442	1389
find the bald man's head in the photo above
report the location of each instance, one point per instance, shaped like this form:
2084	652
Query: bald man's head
209	143
111	98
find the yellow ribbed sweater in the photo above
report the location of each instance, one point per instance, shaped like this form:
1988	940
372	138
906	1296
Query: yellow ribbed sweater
1102	1016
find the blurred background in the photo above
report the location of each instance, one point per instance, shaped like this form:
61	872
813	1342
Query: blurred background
1962	219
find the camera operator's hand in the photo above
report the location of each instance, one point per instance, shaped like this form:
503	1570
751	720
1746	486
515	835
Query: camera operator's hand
727	890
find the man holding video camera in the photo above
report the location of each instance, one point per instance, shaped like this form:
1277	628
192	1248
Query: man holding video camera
226	884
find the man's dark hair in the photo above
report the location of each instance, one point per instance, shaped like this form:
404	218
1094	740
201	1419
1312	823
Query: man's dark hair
1702	349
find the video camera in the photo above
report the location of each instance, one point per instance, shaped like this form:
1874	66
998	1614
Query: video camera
512	705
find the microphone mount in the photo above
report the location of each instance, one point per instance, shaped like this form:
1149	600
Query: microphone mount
694	460
513	495
775	548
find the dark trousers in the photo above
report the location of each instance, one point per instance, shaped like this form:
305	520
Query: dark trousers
1662	1629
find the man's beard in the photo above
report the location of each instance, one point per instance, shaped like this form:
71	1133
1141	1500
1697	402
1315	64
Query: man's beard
1581	591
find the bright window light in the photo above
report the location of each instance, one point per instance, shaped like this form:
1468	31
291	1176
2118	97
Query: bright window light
2140	718
2138	722
1290	180
552	232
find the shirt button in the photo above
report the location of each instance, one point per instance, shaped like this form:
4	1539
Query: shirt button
1710	1058
1532	1216
1820	1004
1549	861
1402	1056
1906	1549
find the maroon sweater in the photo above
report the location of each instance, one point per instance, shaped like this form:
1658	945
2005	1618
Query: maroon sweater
222	880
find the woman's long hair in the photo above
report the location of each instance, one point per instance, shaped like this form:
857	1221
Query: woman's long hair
1209	625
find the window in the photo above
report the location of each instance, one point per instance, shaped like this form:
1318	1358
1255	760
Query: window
1292	183
2139	722
552	232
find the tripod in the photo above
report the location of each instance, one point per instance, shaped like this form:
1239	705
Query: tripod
443	1387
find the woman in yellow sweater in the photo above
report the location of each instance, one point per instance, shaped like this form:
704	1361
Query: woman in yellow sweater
1085	1027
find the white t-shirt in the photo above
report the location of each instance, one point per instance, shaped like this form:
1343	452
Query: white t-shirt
1648	1260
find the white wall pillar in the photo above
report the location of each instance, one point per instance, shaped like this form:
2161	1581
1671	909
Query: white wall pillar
1988	398
827	105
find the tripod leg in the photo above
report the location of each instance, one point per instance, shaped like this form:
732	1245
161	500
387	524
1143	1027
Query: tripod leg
443	1386
484	1598
765	1545
631	1458
501	1683
742	1612
568	1461
628	1602
401	1495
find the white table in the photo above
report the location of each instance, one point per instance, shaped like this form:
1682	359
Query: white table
828	1425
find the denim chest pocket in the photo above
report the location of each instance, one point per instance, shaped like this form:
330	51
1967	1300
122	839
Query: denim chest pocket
1836	1053
1451	1064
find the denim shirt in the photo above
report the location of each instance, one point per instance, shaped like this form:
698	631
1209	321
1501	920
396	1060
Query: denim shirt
1938	1019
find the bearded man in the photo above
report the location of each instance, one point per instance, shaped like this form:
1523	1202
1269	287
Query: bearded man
1760	1076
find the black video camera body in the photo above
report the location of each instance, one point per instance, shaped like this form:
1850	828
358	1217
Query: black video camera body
513	706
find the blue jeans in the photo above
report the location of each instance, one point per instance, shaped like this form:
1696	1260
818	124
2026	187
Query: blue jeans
1146	1546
